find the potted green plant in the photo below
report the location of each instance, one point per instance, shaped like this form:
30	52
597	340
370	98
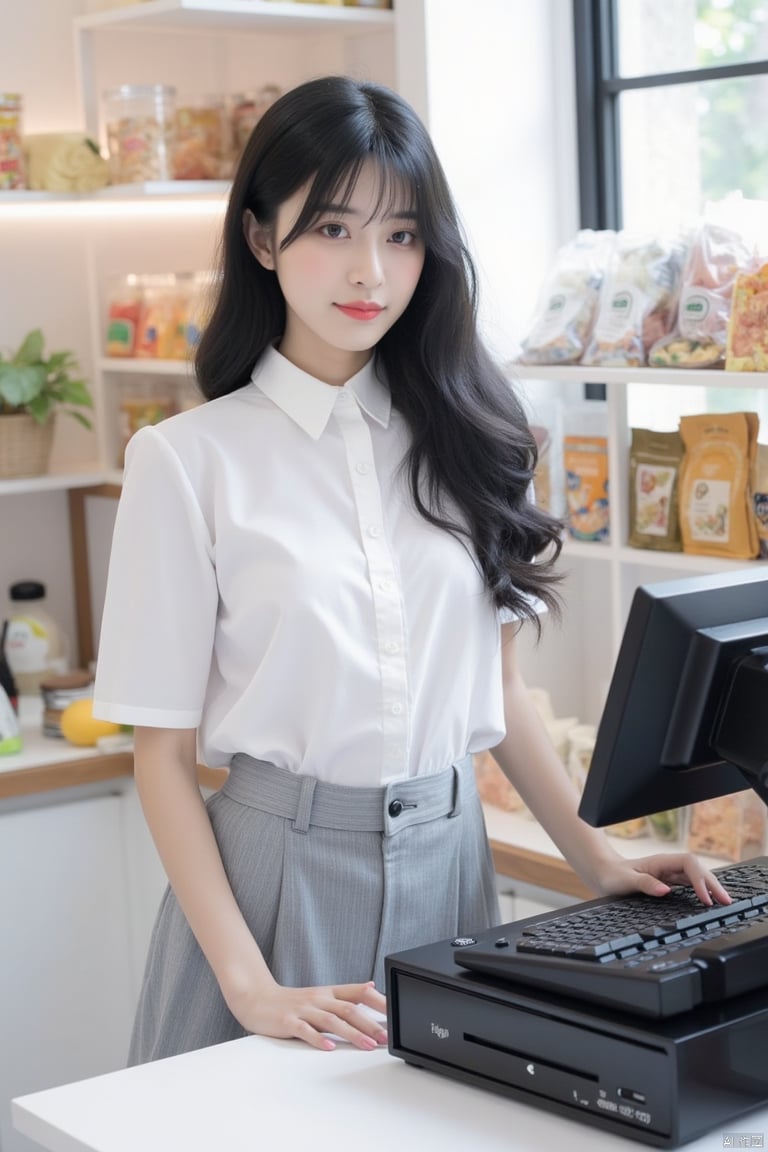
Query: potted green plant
33	388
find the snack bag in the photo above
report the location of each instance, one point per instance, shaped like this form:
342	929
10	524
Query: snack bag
638	301
716	514
715	257
747	346
731	827
760	496
586	487
566	310
654	471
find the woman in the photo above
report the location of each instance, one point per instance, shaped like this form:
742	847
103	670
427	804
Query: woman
316	579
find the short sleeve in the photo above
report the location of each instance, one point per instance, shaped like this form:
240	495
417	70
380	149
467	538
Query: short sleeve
159	617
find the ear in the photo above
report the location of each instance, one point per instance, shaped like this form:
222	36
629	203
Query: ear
259	239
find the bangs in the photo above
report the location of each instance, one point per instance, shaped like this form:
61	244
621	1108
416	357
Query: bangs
396	193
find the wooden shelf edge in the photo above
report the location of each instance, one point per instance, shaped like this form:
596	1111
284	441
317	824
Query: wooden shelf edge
90	770
537	869
67	774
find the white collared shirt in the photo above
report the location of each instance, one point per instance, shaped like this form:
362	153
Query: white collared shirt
271	584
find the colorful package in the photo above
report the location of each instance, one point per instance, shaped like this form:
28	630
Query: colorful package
586	487
716	256
638	301
566	311
716	512
654	472
747	349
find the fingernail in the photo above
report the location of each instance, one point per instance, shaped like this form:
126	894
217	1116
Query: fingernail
381	1037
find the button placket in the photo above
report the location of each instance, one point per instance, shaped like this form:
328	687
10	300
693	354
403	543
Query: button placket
390	630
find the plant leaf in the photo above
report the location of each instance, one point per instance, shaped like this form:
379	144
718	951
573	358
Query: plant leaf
31	350
20	384
86	423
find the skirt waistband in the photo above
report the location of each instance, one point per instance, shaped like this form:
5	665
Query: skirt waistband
308	801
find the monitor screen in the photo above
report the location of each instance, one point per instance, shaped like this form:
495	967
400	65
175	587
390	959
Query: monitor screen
686	716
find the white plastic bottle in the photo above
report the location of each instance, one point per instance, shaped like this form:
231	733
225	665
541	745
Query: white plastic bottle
34	643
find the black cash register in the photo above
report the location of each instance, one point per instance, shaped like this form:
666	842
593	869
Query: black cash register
645	1017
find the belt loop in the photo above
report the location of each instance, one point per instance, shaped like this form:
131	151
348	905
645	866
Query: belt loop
457	768
304	806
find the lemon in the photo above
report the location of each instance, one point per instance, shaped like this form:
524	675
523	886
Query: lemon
80	726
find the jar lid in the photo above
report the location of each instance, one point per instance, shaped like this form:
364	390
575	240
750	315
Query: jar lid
76	679
27	590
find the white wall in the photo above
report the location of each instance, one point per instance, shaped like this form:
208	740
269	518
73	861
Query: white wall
498	98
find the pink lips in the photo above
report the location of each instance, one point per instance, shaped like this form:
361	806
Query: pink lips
361	309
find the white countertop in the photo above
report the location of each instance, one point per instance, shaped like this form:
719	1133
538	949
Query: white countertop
262	1093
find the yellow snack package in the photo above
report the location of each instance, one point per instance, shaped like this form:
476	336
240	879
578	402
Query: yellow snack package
747	347
716	513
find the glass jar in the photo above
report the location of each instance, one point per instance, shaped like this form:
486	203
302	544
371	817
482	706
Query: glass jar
201	144
246	109
123	315
12	166
140	132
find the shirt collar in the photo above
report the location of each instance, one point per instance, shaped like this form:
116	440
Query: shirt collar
309	401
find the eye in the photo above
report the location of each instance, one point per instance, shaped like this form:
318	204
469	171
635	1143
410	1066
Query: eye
403	238
333	231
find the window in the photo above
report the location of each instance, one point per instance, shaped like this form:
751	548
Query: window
672	99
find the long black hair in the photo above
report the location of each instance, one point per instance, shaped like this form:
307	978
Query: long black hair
472	454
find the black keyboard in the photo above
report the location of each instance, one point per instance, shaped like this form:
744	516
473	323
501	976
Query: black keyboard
642	954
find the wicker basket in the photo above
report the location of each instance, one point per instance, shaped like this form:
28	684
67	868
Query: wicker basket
25	445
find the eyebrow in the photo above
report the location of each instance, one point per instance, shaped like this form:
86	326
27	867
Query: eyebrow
345	210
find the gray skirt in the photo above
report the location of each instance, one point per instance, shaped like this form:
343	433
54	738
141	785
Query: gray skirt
330	880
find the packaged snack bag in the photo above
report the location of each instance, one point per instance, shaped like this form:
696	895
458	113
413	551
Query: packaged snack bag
585	460
654	472
731	827
747	347
638	301
715	257
716	513
566	310
760	495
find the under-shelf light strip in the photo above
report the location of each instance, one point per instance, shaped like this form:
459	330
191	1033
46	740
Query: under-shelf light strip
110	209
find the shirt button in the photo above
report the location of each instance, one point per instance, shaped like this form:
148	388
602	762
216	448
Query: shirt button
374	531
391	646
396	709
386	585
362	469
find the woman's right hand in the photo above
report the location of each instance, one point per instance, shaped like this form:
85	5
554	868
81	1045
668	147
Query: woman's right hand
310	1014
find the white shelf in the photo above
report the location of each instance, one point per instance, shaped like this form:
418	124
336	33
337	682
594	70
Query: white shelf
39	750
606	552
581	373
145	366
51	482
266	15
209	192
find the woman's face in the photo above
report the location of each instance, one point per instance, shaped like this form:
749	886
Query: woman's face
345	281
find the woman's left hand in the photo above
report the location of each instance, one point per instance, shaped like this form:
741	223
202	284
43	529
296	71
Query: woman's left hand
655	875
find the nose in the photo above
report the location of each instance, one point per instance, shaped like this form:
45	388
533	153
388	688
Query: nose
367	268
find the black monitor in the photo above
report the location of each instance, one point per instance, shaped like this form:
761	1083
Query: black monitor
686	716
